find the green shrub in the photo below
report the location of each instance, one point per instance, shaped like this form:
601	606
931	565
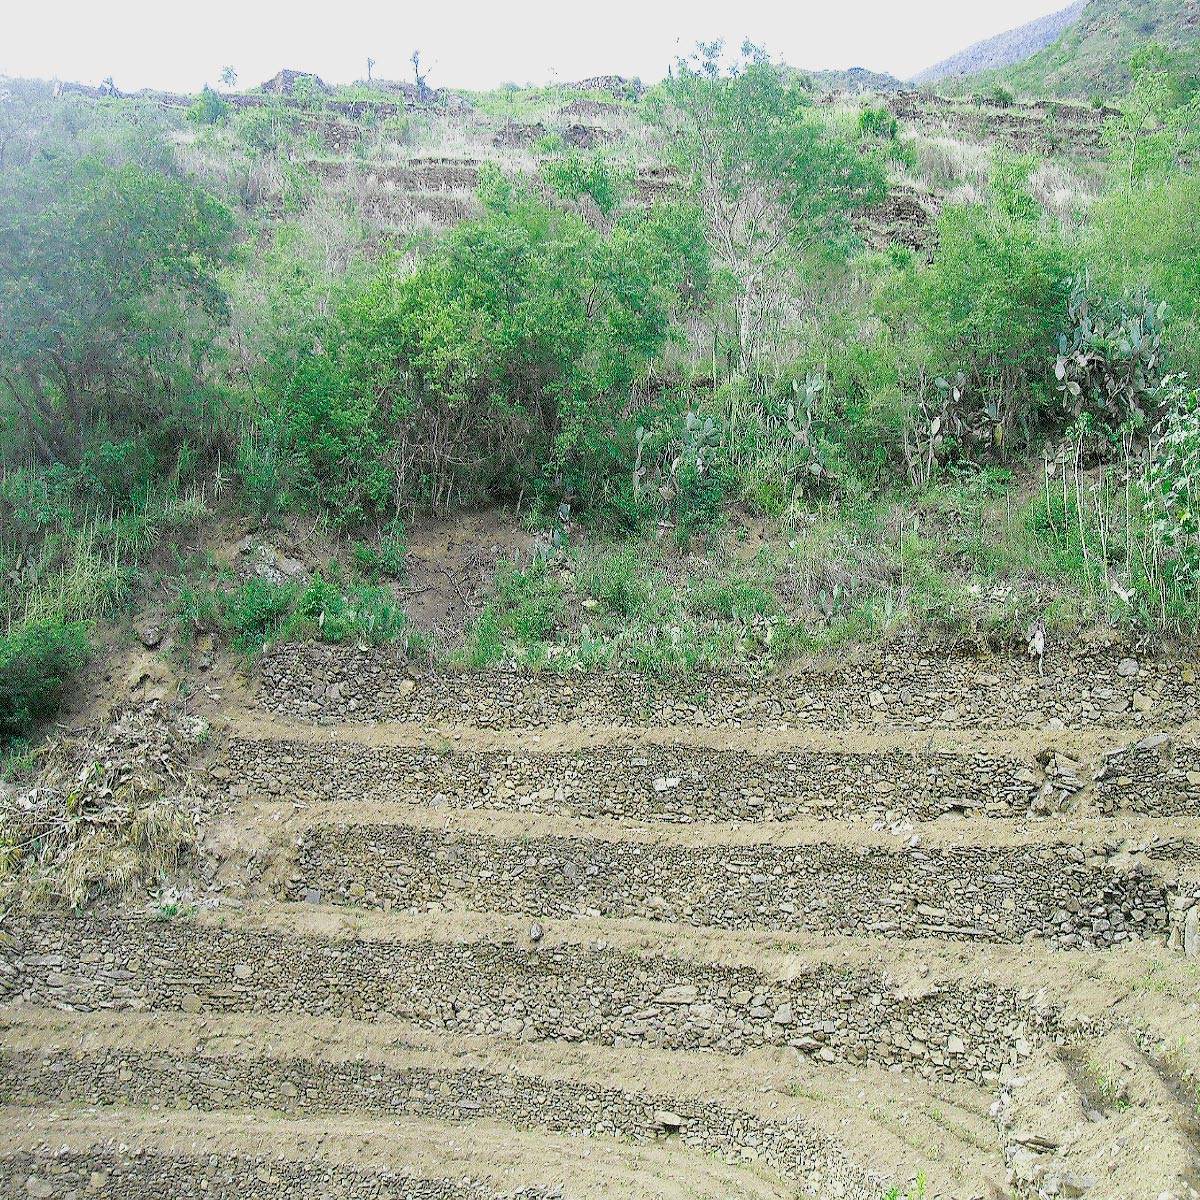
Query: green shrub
490	368
877	124
36	663
525	611
331	610
1149	238
1172	505
388	559
621	583
257	611
1110	360
326	609
265	130
984	323
209	108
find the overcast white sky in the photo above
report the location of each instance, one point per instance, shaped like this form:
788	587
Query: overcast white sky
472	43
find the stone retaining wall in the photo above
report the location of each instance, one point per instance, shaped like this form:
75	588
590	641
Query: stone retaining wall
986	893
662	783
125	1175
901	690
148	1079
596	995
1157	776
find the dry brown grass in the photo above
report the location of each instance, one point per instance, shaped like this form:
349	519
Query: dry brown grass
108	811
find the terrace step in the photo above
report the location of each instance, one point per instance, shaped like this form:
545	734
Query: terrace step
649	775
132	1154
1070	894
659	782
1097	689
593	1092
945	1028
205	1081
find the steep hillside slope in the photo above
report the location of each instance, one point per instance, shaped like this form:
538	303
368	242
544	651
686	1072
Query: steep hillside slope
1092	56
1005	49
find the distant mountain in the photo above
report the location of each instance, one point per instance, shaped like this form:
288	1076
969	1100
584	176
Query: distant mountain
1006	49
1092	56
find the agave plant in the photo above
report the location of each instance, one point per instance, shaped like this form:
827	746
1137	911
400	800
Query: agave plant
1110	361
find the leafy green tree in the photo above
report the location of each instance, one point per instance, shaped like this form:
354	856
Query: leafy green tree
573	176
1149	238
209	109
775	184
24	112
981	321
485	366
1159	126
101	271
229	77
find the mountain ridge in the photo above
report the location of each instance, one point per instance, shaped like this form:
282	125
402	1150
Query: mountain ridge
1005	49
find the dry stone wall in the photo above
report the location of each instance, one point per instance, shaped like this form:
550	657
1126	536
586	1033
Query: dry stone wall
308	1087
576	994
986	893
1158	777
661	783
121	1174
897	690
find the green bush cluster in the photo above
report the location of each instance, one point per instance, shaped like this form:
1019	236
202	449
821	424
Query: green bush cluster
329	608
37	661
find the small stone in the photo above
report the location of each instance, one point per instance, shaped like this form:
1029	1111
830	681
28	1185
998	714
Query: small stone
682	993
242	971
665	1119
783	1015
536	932
289	1089
38	1187
1142	703
955	1045
149	635
312	896
1127	668
190	1003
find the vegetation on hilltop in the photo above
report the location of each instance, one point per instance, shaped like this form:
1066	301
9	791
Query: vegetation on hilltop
1092	56
656	350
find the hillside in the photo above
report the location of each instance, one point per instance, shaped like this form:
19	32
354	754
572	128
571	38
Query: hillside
1092	56
1005	49
596	642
